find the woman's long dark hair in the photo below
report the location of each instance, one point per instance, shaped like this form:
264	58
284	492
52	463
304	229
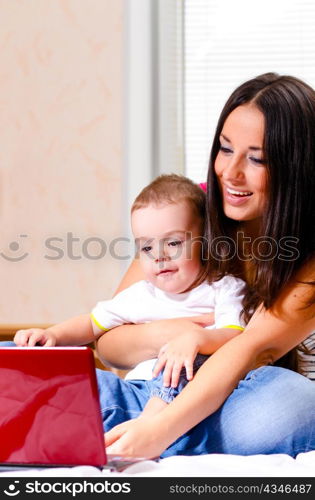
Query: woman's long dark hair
288	106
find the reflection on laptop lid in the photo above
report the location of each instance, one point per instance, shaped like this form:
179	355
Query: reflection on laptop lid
49	408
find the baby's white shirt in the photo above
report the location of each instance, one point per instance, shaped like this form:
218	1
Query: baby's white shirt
143	303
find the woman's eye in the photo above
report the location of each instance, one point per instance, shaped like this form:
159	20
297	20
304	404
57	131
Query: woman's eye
146	249
175	243
225	150
259	161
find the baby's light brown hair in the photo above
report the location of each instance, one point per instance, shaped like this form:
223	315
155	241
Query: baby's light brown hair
171	189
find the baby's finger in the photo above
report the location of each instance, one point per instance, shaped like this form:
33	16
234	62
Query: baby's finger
189	369
17	337
21	337
158	367
167	374
34	339
50	342
175	375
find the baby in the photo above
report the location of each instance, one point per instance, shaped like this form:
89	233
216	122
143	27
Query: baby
167	220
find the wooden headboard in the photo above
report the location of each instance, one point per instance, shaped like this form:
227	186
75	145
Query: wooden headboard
7	331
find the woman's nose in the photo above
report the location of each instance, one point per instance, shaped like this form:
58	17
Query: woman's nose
233	169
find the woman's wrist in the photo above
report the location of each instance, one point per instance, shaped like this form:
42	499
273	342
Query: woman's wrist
164	430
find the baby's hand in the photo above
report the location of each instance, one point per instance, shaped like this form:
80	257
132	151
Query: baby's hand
173	356
34	336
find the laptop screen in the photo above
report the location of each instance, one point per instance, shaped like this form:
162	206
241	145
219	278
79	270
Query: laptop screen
49	407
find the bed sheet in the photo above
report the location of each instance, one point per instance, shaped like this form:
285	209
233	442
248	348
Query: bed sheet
214	465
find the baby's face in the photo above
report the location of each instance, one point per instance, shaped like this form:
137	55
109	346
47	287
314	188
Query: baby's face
168	240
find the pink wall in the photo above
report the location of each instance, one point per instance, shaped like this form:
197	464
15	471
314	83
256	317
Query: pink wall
60	153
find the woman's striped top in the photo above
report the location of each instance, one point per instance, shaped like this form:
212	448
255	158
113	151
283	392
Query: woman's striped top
307	359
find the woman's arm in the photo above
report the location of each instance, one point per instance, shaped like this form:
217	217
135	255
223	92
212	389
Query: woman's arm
268	336
125	346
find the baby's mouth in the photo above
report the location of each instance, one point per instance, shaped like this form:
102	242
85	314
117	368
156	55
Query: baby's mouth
166	272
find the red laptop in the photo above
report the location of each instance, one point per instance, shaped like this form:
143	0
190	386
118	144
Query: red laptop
49	408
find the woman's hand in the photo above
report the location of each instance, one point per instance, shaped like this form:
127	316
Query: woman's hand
176	354
139	437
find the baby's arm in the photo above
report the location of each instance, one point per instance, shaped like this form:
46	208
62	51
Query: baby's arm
79	330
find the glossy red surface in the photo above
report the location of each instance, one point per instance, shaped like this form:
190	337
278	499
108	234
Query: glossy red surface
49	407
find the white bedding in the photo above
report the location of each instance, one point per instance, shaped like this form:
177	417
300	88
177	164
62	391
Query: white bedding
213	465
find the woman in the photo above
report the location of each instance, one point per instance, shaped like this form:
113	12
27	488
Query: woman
260	227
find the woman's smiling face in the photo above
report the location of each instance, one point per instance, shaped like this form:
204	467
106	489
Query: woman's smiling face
240	165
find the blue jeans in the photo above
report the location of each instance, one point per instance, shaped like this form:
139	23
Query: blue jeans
271	411
167	394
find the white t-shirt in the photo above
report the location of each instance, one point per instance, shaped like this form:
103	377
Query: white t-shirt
143	302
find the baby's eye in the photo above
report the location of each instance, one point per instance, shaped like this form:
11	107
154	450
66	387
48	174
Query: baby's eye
146	249
174	243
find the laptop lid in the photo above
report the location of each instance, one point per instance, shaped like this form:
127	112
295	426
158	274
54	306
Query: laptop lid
49	407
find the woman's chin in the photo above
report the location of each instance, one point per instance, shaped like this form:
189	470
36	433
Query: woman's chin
239	214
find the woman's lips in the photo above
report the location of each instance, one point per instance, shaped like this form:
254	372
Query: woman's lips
236	197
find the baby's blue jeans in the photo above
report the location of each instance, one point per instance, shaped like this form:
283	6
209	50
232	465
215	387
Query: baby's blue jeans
167	394
272	410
